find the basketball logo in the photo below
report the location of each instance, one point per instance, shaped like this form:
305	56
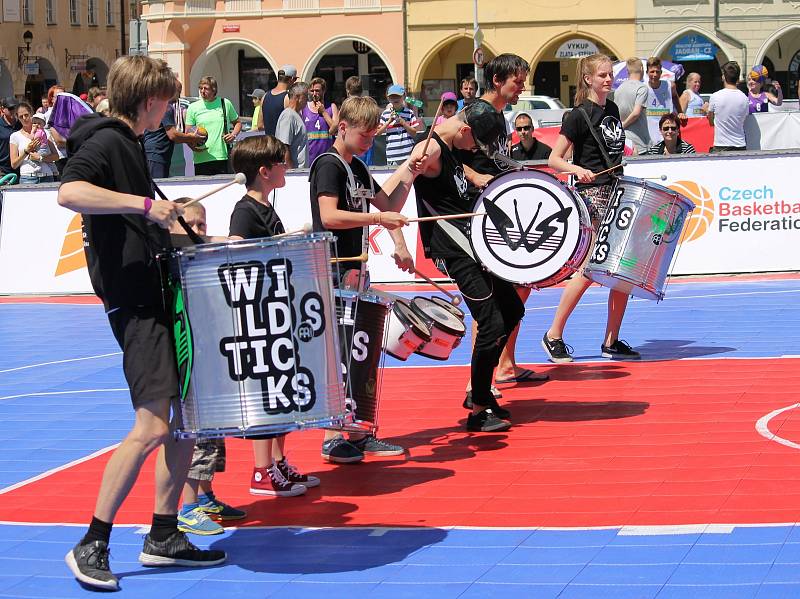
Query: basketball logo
703	215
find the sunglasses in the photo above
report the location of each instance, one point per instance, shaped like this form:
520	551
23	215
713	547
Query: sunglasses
524	128
669	128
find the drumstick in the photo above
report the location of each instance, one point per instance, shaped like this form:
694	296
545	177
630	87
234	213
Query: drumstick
306	228
433	124
608	170
454	299
661	178
360	258
422	219
237	178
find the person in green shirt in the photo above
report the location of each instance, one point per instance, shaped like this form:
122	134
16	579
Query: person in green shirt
206	116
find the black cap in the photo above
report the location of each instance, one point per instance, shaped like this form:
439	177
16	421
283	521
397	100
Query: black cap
487	124
9	102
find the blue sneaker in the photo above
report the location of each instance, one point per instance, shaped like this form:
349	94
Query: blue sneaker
219	510
196	522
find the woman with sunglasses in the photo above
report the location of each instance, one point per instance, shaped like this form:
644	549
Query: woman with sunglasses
31	150
670	127
594	150
758	99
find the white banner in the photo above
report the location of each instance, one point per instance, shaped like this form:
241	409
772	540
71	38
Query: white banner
747	220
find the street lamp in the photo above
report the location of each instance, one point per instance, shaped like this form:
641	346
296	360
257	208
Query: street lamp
23	52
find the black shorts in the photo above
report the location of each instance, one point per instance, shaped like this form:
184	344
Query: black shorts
148	353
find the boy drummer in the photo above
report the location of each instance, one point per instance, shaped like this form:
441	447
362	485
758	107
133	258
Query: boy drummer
335	207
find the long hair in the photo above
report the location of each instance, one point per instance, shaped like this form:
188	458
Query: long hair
587	66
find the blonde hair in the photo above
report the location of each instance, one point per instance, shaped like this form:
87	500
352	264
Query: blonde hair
634	65
587	66
360	111
134	79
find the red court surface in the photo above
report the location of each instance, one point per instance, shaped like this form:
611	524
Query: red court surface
663	443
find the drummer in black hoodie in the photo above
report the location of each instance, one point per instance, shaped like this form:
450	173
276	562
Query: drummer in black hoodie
106	179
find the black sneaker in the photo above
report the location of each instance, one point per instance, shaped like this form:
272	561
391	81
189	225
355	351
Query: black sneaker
293	475
619	350
89	564
496	407
178	551
371	445
557	351
341	451
486	422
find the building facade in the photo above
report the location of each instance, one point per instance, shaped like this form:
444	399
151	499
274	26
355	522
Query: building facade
549	34
70	42
749	33
242	43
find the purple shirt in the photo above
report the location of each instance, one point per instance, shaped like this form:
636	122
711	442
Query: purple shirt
319	137
758	103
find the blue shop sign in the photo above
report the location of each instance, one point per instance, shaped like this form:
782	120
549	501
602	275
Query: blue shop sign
694	47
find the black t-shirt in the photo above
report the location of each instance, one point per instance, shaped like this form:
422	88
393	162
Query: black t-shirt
251	219
329	177
5	135
446	194
538	151
271	109
608	126
157	145
483	164
120	248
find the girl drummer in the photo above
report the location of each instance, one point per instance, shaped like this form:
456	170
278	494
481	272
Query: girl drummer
594	150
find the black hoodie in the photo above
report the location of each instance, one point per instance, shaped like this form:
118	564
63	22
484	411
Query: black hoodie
120	248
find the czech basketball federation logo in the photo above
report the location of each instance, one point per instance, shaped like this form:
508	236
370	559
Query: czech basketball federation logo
699	222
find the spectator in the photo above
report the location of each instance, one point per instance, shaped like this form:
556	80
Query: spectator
757	99
469	91
691	102
58	139
631	98
8	125
160	143
670	127
94	96
354	89
528	148
102	108
217	120
291	129
320	120
449	107
257	124
400	125
662	96
727	110
45	105
31	151
276	100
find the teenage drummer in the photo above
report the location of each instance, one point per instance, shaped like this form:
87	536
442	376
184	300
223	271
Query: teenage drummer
336	207
493	302
594	150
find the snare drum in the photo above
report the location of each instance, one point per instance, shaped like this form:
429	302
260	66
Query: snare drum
532	229
637	238
457	312
362	320
447	330
255	336
406	331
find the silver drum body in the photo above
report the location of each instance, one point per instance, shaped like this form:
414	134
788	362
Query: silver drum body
256	336
637	238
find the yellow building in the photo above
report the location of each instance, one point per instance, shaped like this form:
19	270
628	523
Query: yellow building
242	43
543	32
70	42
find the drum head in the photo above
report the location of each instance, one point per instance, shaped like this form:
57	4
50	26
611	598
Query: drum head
458	312
407	316
528	228
443	318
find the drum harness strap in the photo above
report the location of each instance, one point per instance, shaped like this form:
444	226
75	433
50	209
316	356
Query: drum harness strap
600	143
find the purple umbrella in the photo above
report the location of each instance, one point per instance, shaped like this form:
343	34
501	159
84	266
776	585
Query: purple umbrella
670	71
66	110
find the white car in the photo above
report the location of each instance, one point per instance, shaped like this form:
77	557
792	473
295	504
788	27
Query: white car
535	103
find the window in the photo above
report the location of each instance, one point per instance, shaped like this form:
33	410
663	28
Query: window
362	3
300	4
91	14
27	12
50	7
109	13
74	12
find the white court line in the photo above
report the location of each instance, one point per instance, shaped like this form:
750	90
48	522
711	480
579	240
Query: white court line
762	426
33	479
43	393
116	353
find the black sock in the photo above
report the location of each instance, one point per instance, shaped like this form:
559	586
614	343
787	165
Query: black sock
98	531
163	526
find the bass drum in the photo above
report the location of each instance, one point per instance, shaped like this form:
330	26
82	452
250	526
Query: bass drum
531	229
